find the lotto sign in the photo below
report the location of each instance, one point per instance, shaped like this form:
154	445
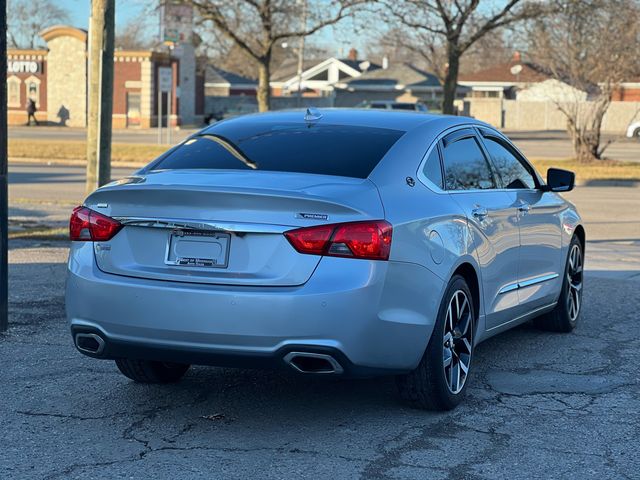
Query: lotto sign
22	66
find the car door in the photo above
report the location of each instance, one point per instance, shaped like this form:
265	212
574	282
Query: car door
540	264
492	219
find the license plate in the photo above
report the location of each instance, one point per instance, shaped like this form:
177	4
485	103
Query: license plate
194	248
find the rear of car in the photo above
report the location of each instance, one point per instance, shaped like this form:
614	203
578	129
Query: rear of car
258	242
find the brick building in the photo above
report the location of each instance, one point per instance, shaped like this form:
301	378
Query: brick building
56	79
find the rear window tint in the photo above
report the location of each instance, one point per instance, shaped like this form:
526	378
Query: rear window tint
350	151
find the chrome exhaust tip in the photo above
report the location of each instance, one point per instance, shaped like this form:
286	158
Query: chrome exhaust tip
318	363
91	343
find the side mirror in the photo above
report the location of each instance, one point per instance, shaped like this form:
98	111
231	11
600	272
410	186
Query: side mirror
559	180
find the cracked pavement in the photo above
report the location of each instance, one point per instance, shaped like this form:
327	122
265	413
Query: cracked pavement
539	405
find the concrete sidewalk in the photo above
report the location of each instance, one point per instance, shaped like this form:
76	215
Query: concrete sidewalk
130	135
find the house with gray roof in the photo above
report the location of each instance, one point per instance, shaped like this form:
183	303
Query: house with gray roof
402	82
222	83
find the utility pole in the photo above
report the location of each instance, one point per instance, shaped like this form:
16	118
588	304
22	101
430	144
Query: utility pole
100	99
303	26
4	197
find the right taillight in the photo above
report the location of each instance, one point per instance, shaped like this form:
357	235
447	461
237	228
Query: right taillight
86	225
367	240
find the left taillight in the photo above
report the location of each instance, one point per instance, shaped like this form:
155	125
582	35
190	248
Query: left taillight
368	240
86	225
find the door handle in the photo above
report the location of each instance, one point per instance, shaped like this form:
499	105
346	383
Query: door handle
524	208
480	213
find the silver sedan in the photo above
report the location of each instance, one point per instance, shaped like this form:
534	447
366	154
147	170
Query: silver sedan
326	242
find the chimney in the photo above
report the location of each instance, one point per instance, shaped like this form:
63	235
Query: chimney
353	54
516	57
385	62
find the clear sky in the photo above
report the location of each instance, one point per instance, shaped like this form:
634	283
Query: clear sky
125	10
339	38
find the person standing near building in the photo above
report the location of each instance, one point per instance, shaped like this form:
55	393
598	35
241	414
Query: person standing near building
31	112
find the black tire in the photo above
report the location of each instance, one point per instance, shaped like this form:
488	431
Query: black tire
146	371
564	318
428	386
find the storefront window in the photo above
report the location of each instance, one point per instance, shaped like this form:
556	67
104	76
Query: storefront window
33	89
13	92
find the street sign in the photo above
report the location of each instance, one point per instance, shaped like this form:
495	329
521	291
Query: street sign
165	77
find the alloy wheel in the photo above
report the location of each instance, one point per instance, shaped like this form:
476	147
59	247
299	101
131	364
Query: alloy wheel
457	341
574	283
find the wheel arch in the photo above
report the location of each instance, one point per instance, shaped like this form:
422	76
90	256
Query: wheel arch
581	234
467	271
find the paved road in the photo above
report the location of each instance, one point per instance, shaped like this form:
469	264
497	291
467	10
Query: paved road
556	144
534	144
540	405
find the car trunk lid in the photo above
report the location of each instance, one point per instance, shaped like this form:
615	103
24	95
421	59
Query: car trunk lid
223	227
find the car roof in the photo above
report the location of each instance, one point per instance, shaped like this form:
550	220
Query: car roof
392	119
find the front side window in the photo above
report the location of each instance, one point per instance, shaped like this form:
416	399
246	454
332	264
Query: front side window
513	172
465	166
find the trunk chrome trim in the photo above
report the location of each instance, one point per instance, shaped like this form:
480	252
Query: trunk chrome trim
527	283
229	227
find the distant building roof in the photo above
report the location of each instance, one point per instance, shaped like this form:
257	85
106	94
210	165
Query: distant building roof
502	73
289	68
218	77
398	76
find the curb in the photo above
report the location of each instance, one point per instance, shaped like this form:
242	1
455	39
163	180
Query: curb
70	162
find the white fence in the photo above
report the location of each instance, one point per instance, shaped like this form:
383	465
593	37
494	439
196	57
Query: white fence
531	115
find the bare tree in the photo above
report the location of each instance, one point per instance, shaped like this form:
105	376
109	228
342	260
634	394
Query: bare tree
448	29
27	18
592	46
135	34
257	26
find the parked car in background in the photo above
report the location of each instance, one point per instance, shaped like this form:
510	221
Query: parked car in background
337	242
633	131
238	110
394	105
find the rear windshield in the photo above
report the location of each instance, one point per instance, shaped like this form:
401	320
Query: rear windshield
349	151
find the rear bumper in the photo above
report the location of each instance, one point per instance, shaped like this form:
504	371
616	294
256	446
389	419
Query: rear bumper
374	317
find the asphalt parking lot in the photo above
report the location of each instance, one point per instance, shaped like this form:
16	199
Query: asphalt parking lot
539	405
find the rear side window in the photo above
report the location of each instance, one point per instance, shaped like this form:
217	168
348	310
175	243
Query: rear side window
350	151
432	168
466	167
